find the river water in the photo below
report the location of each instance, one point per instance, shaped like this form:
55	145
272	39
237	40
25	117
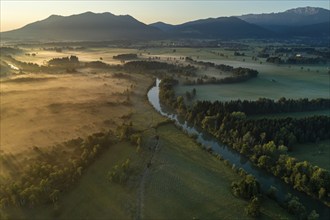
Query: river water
13	67
265	179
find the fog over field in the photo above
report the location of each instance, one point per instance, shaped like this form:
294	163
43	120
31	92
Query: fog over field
223	116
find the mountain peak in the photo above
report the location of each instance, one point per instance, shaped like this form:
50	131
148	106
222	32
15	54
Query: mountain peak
293	17
305	10
160	23
162	26
54	17
88	13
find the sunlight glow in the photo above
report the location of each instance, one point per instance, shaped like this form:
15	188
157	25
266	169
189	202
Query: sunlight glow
15	14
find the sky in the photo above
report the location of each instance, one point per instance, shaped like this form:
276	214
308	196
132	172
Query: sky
15	14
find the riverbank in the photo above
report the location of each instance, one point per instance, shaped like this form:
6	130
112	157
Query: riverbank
266	180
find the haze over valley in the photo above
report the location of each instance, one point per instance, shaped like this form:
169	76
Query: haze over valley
106	116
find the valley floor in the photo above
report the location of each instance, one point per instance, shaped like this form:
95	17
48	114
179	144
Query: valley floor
172	178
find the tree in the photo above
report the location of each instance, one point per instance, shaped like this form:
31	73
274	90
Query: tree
74	59
208	122
44	185
4	202
313	215
246	188
194	92
238	115
264	161
54	195
79	170
283	149
33	200
271	193
253	208
295	207
322	193
269	148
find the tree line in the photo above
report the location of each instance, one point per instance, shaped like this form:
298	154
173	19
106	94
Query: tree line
297	60
266	106
64	61
46	179
225	68
265	142
248	188
126	56
325	53
158	67
240	74
26	66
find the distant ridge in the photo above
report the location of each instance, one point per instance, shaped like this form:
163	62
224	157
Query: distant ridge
86	26
222	27
312	30
292	21
89	26
292	17
162	26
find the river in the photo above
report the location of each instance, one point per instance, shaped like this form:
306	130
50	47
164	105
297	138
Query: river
13	67
265	179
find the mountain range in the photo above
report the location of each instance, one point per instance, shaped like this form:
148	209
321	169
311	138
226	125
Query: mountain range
89	26
307	21
215	28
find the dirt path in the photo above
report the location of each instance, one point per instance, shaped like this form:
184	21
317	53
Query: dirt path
140	192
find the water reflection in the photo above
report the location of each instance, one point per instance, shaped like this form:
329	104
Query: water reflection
13	67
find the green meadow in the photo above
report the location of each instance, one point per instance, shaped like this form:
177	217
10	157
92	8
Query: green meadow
187	183
316	153
272	82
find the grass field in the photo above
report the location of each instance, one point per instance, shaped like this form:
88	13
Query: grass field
187	183
316	153
294	85
273	81
183	182
94	197
97	198
257	88
85	55
227	56
42	110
